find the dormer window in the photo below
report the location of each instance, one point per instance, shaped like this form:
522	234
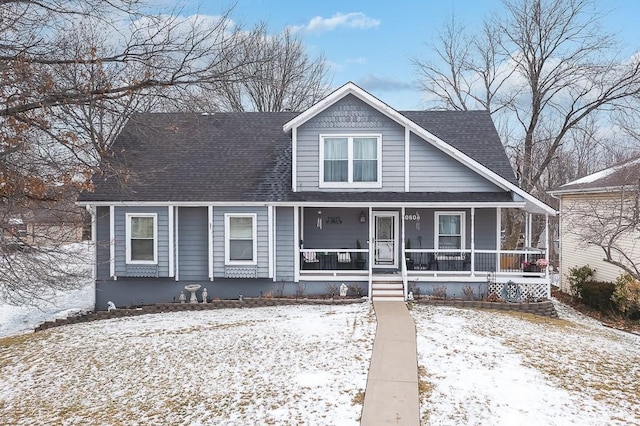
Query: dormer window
350	161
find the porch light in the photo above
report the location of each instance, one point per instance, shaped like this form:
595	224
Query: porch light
363	218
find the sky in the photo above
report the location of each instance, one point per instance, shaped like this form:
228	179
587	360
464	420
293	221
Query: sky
371	43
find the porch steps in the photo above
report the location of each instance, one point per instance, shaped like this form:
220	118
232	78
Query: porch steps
387	290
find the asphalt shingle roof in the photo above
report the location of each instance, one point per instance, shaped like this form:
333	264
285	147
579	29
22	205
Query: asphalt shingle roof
625	173
183	157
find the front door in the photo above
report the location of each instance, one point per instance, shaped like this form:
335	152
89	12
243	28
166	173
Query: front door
385	246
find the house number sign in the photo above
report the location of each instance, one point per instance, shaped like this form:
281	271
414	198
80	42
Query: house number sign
415	216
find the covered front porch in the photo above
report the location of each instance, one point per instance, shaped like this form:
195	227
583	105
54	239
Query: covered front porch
422	244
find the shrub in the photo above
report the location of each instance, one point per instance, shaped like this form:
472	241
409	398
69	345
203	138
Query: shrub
626	296
597	294
577	277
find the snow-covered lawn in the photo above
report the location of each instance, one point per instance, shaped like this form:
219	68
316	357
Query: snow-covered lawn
497	368
279	365
308	365
50	304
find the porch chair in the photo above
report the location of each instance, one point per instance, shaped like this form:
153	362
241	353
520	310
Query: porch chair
432	262
344	260
310	259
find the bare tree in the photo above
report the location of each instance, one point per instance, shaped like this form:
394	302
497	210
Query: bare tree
71	72
543	69
282	77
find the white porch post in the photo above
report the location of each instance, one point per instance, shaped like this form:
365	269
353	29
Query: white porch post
473	241
94	242
528	233
172	266
403	257
112	242
370	253
546	232
210	237
272	242
498	236
297	236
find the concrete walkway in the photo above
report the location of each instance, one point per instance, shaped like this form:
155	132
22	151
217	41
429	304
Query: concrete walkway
391	396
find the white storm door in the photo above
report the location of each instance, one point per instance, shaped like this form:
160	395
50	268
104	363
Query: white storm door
385	246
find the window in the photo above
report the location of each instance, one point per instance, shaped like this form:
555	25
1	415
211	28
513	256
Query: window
240	241
350	161
450	230
142	238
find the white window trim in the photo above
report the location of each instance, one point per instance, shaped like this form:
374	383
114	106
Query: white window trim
436	228
129	216
350	183
227	221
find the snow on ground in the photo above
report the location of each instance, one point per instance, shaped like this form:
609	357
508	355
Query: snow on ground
277	365
20	319
497	368
308	365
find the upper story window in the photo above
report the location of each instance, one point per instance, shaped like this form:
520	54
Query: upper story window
142	238
240	239
450	230
350	161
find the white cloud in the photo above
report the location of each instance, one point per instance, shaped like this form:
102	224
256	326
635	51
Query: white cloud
355	20
359	60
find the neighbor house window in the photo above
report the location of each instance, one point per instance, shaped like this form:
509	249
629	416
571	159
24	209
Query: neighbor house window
240	241
142	238
449	230
350	160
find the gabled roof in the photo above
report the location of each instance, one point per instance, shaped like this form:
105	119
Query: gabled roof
195	157
246	157
467	150
610	179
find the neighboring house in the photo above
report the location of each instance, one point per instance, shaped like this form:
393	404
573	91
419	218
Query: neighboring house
44	224
344	192
600	211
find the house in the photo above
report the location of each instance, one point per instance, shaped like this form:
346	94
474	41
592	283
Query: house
349	191
44	223
598	212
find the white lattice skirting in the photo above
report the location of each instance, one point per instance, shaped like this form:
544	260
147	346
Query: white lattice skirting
516	292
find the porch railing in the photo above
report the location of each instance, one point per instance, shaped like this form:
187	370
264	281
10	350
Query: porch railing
508	262
524	263
321	259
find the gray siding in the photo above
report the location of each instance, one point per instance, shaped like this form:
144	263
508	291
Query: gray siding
284	244
485	228
431	170
146	291
163	237
103	250
350	116
193	243
334	235
262	237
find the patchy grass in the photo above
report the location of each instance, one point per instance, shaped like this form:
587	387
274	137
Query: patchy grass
285	365
515	368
